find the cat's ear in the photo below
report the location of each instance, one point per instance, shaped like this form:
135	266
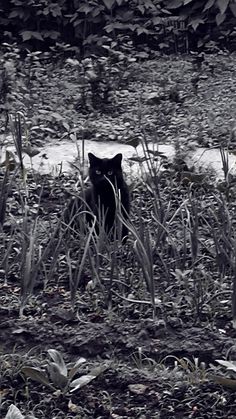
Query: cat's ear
117	160
92	159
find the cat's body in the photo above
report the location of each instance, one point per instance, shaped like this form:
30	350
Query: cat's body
101	199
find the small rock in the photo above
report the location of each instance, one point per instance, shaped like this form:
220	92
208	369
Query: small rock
137	388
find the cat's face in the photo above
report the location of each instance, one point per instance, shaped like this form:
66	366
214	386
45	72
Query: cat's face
100	169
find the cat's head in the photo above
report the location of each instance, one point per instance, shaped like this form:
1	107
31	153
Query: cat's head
100	169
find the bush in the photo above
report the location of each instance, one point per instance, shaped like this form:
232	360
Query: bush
91	24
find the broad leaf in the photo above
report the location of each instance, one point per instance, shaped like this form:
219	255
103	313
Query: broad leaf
37	35
86	379
188	1
230	365
37	375
222	5
233	8
66	126
15	13
59	118
196	22
59	361
26	35
85	8
75	367
156	20
174	4
81	382
14	413
224	381
220	18
142	30
59	380
208	5
141	8
53	34
109	3
117	25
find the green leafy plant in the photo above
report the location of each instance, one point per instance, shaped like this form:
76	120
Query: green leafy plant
59	376
193	370
4	191
92	24
101	78
75	277
225	381
142	361
15	413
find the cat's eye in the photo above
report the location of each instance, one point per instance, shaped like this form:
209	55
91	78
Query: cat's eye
98	172
110	172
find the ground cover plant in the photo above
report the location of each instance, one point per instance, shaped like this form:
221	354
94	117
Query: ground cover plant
92	328
190	97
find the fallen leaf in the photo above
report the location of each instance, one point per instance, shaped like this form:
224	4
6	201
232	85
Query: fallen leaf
224	381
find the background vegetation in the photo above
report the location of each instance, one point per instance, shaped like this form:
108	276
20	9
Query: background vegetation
87	26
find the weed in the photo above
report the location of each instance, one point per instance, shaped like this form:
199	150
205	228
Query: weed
193	371
4	191
56	375
141	361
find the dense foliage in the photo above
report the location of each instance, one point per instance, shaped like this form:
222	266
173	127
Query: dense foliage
88	25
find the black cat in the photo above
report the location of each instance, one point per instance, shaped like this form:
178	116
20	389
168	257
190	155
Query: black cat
100	199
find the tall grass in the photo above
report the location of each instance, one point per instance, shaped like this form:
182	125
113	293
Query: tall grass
171	242
4	192
17	134
6	260
180	248
75	277
28	261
